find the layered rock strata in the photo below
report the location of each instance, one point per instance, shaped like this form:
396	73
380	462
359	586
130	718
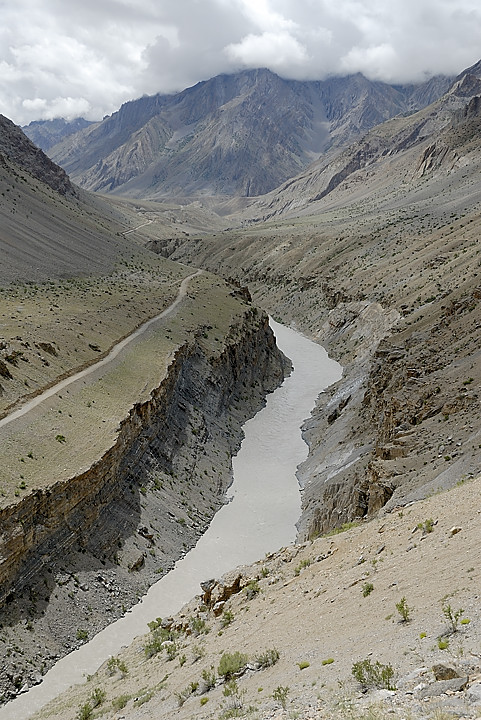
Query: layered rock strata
98	540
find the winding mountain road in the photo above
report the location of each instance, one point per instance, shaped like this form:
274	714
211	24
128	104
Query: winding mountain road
114	352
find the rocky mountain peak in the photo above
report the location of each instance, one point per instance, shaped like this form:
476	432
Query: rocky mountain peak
242	134
18	148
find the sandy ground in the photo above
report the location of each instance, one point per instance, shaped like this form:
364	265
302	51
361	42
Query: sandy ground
324	606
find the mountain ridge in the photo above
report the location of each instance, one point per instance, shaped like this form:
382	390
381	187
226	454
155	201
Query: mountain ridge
241	134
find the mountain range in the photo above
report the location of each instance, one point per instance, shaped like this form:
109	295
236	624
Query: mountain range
241	134
369	244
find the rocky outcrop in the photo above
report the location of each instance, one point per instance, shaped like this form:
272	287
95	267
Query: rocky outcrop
15	146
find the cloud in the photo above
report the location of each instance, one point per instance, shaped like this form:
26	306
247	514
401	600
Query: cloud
89	57
277	51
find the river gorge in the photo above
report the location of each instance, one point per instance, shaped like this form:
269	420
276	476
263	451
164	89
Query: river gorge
261	516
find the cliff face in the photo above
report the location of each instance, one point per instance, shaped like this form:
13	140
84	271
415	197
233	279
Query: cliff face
143	504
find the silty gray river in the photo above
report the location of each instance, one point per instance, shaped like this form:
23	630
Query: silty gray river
261	517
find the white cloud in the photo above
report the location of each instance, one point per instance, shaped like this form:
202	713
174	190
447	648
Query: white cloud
89	57
276	51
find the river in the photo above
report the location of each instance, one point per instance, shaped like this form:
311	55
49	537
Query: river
260	517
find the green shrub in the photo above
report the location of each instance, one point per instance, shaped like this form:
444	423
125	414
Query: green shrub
428	525
170	649
198	626
328	661
303	665
252	589
158	636
373	675
452	616
303	564
97	697
120	702
280	695
209	678
82	634
154	624
227	618
85	712
236	697
367	589
403	609
267	658
114	664
231	663
154	645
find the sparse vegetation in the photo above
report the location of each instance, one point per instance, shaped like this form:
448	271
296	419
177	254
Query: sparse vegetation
98	697
252	589
303	564
267	658
342	528
120	702
209	677
114	664
367	589
404	610
231	663
428	525
234	694
85	712
280	695
452	616
373	675
198	626
227	618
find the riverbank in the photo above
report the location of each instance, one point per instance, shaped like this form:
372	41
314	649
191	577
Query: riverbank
135	479
312	611
261	515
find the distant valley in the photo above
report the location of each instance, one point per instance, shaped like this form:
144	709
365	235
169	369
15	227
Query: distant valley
347	209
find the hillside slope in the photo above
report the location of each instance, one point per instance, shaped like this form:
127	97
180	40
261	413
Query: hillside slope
303	616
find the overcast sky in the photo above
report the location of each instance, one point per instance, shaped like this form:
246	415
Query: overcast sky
65	58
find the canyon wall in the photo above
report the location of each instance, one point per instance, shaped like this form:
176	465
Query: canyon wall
47	522
97	541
